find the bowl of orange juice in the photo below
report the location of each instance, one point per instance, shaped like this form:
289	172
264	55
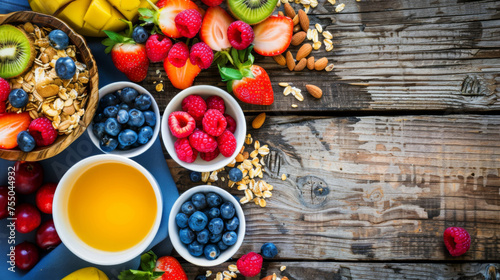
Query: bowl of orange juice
107	209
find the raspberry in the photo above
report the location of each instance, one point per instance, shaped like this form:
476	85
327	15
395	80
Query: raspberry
212	3
4	89
42	130
202	142
210	156
2	107
195	106
216	102
201	55
214	122
250	264
240	35
181	124
178	54
231	123
184	150
226	143
188	22
457	240
157	47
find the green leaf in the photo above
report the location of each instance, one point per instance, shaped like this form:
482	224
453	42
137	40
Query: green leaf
241	54
134	275
229	74
230	86
148	261
235	56
146	13
115	37
250	58
157	274
246	72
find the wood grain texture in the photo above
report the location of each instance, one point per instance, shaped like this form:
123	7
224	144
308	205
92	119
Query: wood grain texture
62	141
376	188
363	270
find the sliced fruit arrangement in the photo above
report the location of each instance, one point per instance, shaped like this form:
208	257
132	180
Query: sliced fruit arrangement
17	51
152	267
251	11
273	36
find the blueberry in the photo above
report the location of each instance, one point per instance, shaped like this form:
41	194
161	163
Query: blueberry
199	201
216	226
269	250
211	252
142	102
99	117
195	176
186	235
214	238
200	277
145	134
25	141
122	116
229	238
202	236
58	39
136	118
222	246
195	249
124	106
235	175
112	127
127	137
213	199
110	112
65	68
181	220
108	144
18	98
123	147
232	224
140	35
198	221
188	208
213	213
227	210
150	118
98	130
128	94
108	100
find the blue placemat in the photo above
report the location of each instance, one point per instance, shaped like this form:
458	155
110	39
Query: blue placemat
59	262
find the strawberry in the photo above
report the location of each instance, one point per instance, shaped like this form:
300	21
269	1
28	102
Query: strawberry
128	56
10	125
182	77
273	36
214	28
152	268
172	267
161	3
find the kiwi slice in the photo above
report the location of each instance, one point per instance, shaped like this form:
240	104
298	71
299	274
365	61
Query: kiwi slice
17	52
252	11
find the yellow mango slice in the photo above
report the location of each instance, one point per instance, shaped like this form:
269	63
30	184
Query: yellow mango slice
98	13
130	5
114	23
37	6
73	13
53	5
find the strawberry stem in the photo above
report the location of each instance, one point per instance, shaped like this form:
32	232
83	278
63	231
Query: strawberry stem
153	5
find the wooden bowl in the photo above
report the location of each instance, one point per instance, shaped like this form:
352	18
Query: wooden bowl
85	56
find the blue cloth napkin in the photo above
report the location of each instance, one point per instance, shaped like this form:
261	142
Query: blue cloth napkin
60	262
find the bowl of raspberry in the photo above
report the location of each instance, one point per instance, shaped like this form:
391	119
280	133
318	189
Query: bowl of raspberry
203	128
206	225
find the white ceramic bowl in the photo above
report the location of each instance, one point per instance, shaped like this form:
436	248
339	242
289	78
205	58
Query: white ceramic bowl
154	106
173	229
232	108
65	230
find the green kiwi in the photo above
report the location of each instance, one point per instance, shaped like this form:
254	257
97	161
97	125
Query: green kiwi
17	52
252	11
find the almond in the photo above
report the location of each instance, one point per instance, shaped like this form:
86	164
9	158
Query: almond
296	28
289	10
314	91
295	20
280	59
290	62
301	65
304	51
310	63
321	63
280	13
298	38
269	277
259	121
304	20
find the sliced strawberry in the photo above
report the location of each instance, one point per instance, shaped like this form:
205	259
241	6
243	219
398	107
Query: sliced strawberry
10	125
131	59
182	77
161	3
214	28
273	36
166	16
256	90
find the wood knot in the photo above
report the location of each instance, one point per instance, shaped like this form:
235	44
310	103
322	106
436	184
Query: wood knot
476	91
313	191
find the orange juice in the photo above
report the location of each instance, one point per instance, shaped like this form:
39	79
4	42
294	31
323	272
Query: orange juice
112	207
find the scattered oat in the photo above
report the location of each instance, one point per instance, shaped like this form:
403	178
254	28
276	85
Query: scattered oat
340	7
328	48
318	27
314	3
329	67
287	90
332	2
248	139
315	36
309	34
317	45
232	267
327	35
278	3
208	273
283	84
294	106
282	268
218	276
283	177
159	87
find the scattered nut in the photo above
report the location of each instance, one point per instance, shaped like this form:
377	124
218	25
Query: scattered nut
321	63
280	59
315	91
304	51
290	62
296	28
310	63
289	11
301	65
304	20
295	20
298	38
259	121
280	13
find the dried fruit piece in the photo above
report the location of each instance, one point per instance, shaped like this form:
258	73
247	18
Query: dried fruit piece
259	121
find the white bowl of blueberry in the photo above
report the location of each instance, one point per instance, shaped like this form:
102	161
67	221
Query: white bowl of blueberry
206	225
127	120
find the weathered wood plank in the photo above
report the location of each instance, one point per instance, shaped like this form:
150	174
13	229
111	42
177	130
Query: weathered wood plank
365	271
376	188
392	55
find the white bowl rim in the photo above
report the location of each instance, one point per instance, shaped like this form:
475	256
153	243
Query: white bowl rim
174	231
199	164
63	227
110	88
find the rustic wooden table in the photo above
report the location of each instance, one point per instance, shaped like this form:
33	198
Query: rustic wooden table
404	143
